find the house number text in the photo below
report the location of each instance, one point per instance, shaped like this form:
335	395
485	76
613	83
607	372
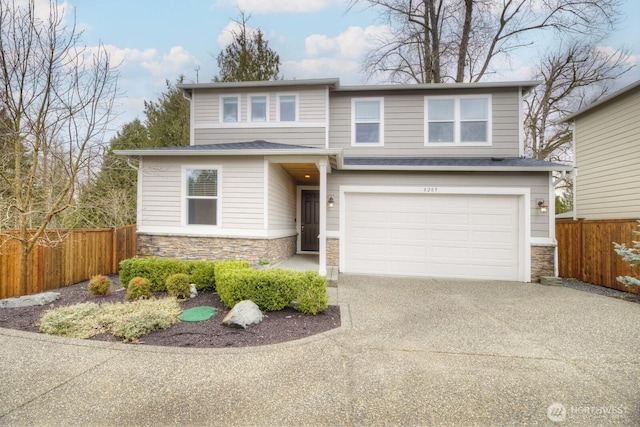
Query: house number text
430	189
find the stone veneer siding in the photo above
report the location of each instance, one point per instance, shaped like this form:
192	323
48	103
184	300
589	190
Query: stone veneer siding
217	248
542	262
333	252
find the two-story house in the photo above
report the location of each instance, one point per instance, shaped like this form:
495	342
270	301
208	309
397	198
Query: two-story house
419	180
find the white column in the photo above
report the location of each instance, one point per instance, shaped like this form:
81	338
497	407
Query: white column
322	268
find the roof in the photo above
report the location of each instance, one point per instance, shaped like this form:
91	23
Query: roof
453	164
334	83
254	84
232	148
611	97
263	148
527	85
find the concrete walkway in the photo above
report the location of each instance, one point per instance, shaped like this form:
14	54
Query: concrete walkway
411	352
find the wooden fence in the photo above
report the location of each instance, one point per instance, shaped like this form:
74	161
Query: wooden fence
69	257
585	251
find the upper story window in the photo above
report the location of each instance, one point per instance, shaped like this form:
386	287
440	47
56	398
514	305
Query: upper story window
367	121
230	109
258	105
459	120
202	196
287	108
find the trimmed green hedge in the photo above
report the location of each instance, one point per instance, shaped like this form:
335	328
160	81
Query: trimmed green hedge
312	297
272	289
157	270
235	281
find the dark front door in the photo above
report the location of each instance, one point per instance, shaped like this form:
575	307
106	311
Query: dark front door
310	226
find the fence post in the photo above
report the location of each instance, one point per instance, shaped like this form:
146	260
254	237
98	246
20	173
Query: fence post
40	277
581	250
114	250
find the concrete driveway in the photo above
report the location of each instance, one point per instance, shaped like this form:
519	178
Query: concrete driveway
411	352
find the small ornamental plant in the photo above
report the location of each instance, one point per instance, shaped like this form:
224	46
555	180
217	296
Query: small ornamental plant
138	288
632	256
99	285
178	285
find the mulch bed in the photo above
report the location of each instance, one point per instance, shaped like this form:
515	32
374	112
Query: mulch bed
277	327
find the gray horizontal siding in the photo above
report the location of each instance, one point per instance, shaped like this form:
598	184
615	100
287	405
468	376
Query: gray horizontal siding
160	203
311	104
537	182
312	137
282	200
607	156
404	127
241	196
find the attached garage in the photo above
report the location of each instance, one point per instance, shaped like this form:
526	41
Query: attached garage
475	236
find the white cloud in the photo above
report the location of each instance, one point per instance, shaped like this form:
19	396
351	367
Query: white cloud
339	56
42	8
265	7
347	70
353	43
170	64
225	38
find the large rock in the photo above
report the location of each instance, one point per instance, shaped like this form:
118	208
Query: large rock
30	300
243	314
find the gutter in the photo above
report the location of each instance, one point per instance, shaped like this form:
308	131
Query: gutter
256	152
457	168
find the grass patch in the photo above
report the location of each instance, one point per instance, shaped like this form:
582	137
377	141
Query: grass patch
128	321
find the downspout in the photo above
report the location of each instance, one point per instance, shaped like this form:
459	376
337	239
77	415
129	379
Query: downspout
575	170
520	123
552	222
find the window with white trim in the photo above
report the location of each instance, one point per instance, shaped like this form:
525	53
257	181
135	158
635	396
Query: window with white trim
287	108
458	120
367	121
230	109
202	196
258	106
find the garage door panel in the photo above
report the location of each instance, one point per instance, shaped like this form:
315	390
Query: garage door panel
449	236
433	235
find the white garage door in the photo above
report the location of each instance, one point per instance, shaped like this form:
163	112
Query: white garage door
463	236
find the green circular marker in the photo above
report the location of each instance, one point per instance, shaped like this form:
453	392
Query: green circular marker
197	314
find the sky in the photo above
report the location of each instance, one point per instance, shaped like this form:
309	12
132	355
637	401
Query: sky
158	40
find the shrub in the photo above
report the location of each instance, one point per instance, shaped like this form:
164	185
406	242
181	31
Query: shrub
632	256
271	290
313	297
99	285
155	269
133	320
178	285
128	321
76	321
202	274
138	288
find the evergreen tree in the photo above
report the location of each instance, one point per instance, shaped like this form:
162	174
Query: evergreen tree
168	118
110	198
248	57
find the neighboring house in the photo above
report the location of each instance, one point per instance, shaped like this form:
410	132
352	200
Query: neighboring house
419	180
606	138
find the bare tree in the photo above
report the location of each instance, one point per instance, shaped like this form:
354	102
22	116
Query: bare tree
57	100
436	41
573	76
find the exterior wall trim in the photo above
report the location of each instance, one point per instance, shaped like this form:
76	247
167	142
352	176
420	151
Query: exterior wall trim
226	233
